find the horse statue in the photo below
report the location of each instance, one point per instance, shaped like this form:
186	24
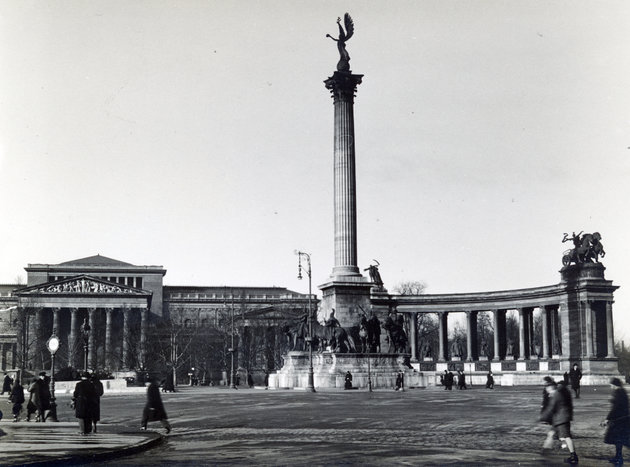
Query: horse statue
338	338
296	333
587	248
363	334
396	334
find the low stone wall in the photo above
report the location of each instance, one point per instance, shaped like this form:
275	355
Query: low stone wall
109	385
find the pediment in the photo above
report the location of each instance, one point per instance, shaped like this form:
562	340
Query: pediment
82	285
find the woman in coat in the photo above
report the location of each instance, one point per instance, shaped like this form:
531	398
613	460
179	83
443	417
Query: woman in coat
154	409
617	422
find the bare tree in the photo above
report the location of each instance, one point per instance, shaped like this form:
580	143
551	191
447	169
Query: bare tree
410	288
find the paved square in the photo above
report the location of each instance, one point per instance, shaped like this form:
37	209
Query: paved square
420	426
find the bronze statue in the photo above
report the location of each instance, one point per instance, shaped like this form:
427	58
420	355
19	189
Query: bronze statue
344	58
587	248
375	275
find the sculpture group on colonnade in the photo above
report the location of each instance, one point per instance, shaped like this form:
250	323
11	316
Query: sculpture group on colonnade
587	248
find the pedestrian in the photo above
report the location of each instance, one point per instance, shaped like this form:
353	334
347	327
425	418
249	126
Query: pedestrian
443	379
95	402
551	433
575	375
40	396
31	408
450	378
6	384
461	380
83	401
398	384
17	397
559	412
617	421
266	379
489	381
250	380
348	381
154	409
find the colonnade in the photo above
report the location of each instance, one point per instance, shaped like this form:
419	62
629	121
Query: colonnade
116	339
593	326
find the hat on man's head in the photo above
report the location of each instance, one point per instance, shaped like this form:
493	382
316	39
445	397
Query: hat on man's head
549	381
42	373
616	382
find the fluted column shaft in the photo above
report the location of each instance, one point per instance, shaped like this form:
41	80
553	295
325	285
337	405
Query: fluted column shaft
521	333
72	337
108	337
610	340
93	334
125	343
545	331
413	336
144	323
343	86
443	335
588	323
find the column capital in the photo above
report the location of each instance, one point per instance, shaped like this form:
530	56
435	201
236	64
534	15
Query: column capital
343	85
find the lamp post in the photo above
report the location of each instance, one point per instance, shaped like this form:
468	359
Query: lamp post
85	330
309	339
53	346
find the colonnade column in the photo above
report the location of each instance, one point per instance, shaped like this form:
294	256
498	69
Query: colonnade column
125	343
497	332
72	337
443	334
144	322
108	337
545	331
413	337
91	346
610	341
55	325
521	333
471	335
588	323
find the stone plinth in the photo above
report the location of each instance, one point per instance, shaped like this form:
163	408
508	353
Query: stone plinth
330	368
349	297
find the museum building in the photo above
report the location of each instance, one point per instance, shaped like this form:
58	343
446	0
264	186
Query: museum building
120	305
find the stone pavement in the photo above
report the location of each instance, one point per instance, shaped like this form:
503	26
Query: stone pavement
30	443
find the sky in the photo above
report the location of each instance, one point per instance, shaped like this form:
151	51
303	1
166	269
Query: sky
198	135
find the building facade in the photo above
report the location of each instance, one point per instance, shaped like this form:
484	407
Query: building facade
114	316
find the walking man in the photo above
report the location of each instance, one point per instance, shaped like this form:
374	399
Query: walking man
617	421
559	412
83	399
17	397
575	375
154	409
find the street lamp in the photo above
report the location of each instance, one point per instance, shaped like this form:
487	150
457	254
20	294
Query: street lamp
53	346
85	330
309	339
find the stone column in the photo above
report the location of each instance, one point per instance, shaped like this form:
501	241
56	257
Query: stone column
93	333
125	343
413	336
108	338
588	324
497	332
522	318
443	334
471	336
144	323
55	326
610	341
343	86
545	331
72	337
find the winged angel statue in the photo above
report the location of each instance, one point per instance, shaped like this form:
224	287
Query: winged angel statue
344	58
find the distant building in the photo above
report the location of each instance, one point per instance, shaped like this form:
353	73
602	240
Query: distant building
135	322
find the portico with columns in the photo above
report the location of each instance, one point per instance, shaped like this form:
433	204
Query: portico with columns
118	317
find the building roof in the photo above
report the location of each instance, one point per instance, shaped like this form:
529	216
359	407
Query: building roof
96	260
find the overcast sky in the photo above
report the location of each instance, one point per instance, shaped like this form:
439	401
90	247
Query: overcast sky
198	135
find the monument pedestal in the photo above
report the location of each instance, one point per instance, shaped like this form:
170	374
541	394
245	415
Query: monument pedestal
330	368
349	296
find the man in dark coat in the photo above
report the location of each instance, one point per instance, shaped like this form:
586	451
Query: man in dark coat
575	375
6	384
348	381
489	381
154	409
17	397
83	399
40	396
449	379
95	405
559	412
461	380
617	422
